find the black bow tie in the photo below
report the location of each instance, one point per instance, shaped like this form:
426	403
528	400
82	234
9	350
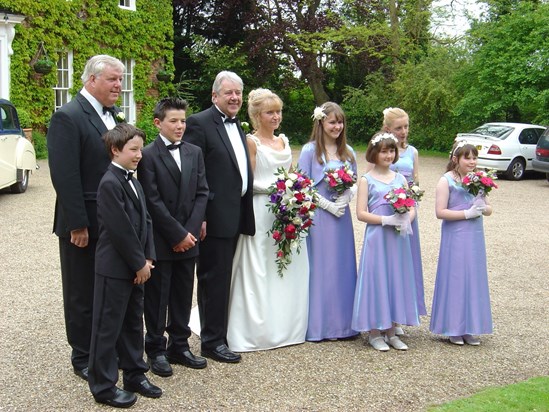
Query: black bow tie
109	109
173	146
129	175
229	120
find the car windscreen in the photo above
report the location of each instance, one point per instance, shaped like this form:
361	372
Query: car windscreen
494	130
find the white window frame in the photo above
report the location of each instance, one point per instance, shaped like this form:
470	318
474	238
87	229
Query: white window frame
127	4
65	72
127	101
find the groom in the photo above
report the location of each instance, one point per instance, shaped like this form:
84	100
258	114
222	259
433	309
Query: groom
229	212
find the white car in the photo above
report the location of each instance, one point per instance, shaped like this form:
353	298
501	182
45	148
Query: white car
505	147
17	155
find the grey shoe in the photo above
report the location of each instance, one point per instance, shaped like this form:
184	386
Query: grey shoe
456	340
378	344
471	340
396	343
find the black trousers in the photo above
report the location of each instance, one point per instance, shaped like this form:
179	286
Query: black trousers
117	335
214	272
168	301
77	274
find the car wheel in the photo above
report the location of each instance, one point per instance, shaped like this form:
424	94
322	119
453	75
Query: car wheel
22	185
515	170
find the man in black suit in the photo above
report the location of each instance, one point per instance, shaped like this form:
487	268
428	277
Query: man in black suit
173	177
229	212
124	259
77	160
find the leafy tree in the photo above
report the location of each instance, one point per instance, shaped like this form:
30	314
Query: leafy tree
506	77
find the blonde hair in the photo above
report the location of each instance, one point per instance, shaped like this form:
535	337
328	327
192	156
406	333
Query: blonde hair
317	135
391	114
260	100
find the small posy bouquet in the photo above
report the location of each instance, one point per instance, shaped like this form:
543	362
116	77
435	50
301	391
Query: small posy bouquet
415	191
293	201
339	180
480	182
402	200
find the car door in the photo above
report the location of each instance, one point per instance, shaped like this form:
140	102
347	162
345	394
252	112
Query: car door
8	143
528	140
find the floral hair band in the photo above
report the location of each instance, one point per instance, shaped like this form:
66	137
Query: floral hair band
460	144
383	136
318	113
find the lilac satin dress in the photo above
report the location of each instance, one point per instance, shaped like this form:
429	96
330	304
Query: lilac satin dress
332	260
405	166
461	302
386	288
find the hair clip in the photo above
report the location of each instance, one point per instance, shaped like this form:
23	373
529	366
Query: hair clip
382	136
318	113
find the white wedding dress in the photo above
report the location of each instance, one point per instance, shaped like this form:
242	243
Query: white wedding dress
265	310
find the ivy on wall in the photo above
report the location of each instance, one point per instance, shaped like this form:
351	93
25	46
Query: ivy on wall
89	27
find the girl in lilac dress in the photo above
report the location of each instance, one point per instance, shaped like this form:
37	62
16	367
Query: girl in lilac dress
461	302
396	121
330	244
386	291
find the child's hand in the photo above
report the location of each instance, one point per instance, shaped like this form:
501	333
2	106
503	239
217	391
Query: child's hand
144	273
398	219
187	243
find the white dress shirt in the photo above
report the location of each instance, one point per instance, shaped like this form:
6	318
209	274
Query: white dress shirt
175	153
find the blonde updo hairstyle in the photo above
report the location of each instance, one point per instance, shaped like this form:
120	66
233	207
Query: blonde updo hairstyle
390	115
261	100
317	135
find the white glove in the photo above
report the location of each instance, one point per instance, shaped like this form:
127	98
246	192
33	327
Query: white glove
344	199
332	207
474	211
480	201
398	219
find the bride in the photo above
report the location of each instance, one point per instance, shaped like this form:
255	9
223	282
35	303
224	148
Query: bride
265	310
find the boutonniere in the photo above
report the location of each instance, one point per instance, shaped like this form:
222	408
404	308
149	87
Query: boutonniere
245	126
120	117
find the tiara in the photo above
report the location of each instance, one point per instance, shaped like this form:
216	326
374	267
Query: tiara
318	113
383	136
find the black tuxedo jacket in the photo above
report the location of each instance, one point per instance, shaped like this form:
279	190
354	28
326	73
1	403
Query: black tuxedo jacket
225	206
77	159
176	199
125	228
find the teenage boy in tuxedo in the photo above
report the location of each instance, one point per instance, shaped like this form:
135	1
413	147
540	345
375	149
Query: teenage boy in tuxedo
124	259
173	177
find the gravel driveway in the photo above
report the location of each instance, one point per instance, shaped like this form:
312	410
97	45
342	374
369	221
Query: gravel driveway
35	370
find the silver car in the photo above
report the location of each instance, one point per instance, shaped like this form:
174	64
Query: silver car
506	147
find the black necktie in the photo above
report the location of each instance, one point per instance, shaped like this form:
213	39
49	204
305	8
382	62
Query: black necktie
229	120
109	109
173	146
129	175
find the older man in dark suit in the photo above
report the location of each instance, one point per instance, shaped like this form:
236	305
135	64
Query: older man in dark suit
229	212
78	160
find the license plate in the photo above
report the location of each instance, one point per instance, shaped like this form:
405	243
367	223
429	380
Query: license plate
479	147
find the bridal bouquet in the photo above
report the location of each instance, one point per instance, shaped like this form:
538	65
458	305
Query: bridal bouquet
480	182
402	200
293	201
339	180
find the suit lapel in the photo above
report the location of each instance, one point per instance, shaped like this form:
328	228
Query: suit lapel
93	117
220	126
168	160
119	173
186	167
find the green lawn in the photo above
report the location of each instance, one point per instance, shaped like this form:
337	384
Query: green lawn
531	395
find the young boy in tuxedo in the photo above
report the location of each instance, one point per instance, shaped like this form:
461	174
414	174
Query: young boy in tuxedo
173	177
124	259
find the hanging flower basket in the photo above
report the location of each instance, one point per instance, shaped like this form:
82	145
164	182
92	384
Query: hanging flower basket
164	76
43	66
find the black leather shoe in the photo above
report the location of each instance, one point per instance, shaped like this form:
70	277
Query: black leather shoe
121	399
160	366
144	388
186	358
82	373
222	354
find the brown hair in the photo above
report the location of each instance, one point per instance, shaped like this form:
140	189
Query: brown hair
119	136
317	135
374	148
460	149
